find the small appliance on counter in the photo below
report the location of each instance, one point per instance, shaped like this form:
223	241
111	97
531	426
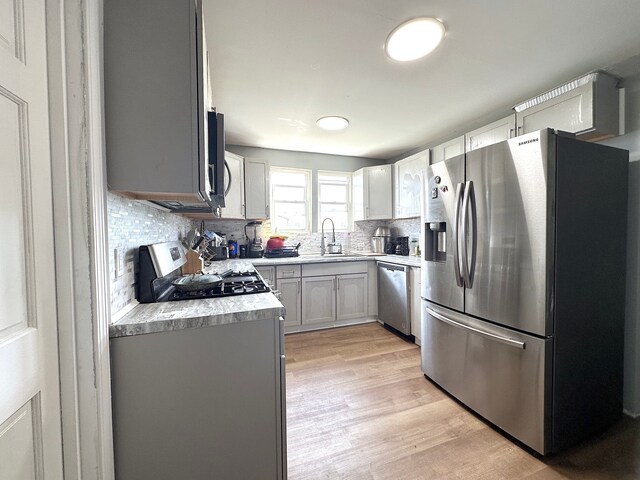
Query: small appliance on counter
275	242
390	247
254	244
214	247
402	246
380	239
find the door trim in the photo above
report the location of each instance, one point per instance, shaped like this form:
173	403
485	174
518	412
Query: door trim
80	230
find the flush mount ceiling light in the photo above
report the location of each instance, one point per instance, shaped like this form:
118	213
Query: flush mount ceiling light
332	123
414	39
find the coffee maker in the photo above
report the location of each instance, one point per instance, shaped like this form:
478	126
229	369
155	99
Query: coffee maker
402	246
254	247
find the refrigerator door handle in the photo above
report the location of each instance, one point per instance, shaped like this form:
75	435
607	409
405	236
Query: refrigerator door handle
469	214
498	338
456	238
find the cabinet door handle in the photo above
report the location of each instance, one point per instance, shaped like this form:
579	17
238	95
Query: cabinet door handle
226	190
338	282
267	212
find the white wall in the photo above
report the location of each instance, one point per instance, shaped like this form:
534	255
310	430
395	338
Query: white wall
631	142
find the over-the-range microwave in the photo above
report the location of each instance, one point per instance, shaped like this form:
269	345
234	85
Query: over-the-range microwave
212	173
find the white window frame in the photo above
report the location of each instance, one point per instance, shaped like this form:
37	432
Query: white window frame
307	198
349	202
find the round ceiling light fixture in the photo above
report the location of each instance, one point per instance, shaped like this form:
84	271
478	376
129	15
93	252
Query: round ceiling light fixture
414	39
332	123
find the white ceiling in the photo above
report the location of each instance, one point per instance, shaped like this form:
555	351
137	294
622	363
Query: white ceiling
278	65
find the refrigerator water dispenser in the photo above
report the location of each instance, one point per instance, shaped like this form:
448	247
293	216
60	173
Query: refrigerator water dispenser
435	234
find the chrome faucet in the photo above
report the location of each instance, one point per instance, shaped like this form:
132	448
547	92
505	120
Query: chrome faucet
333	246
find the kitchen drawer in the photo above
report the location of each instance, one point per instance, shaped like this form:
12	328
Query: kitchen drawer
336	268
288	271
268	273
499	373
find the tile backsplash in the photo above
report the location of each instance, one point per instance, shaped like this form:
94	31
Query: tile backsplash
406	227
358	240
132	224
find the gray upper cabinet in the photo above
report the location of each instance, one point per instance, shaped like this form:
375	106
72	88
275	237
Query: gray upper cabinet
256	186
447	150
156	87
588	106
234	185
408	174
372	193
495	132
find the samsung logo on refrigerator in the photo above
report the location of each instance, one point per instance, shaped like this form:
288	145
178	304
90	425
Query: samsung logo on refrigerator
524	142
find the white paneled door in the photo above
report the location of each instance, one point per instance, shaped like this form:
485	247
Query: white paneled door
30	437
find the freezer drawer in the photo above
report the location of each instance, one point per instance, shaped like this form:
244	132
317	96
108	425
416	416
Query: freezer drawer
501	374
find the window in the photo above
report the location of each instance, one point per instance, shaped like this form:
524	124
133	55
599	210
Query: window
334	198
291	199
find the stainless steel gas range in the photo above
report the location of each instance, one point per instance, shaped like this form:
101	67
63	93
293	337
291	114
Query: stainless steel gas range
160	277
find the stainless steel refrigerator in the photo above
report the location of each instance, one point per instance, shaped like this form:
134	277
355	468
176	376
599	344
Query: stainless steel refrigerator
523	285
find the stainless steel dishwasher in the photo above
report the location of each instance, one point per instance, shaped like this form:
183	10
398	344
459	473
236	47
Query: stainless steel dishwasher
393	296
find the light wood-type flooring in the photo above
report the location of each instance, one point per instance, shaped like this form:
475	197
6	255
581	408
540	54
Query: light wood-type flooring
359	407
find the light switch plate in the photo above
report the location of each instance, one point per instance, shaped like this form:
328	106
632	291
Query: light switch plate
118	260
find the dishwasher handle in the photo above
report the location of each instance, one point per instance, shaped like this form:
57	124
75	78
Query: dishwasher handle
392	267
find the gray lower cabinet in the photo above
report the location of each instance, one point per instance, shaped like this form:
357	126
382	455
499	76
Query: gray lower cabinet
291	298
318	300
351	298
322	295
200	403
328	299
268	274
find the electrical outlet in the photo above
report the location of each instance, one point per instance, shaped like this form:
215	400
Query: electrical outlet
118	260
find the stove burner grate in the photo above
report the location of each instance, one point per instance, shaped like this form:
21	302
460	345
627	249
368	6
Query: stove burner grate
240	284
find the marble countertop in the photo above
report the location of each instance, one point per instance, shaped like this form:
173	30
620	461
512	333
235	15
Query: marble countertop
165	316
411	261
